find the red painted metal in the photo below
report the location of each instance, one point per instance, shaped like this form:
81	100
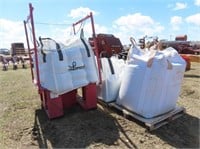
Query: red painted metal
96	49
29	49
181	38
89	100
107	44
54	107
183	46
188	62
69	99
35	46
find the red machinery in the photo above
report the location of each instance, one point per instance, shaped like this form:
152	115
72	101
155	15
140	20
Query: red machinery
181	38
107	43
55	107
183	46
187	49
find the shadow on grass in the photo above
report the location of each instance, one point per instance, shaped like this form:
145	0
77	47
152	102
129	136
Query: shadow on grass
78	129
181	133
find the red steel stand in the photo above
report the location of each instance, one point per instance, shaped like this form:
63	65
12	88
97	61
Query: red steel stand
54	107
89	100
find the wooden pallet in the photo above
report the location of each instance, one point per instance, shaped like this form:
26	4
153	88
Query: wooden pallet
150	123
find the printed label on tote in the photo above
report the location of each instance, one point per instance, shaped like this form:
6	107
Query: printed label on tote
74	67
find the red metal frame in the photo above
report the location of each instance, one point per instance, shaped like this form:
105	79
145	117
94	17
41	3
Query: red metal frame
54	107
29	53
89	99
96	50
30	18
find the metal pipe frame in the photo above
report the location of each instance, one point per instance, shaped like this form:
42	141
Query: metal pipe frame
31	20
90	16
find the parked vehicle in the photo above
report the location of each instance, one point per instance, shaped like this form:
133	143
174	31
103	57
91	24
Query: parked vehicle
4	51
17	49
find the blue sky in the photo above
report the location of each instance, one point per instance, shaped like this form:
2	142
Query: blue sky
123	18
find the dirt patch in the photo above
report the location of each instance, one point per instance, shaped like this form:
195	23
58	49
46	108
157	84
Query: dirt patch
106	128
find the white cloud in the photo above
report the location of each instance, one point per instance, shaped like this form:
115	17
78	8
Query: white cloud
136	20
194	19
63	35
136	25
175	22
11	31
60	34
81	12
98	28
193	33
197	2
180	6
88	29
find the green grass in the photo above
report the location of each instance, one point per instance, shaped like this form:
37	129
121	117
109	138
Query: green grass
18	101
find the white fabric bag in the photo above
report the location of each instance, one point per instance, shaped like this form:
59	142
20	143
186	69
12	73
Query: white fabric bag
111	79
62	70
151	82
88	57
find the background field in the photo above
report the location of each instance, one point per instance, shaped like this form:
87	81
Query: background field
24	125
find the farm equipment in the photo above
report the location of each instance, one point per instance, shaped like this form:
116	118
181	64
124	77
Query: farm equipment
183	47
107	43
54	106
189	50
17	55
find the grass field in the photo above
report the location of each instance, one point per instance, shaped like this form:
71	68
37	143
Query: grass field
100	128
18	101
